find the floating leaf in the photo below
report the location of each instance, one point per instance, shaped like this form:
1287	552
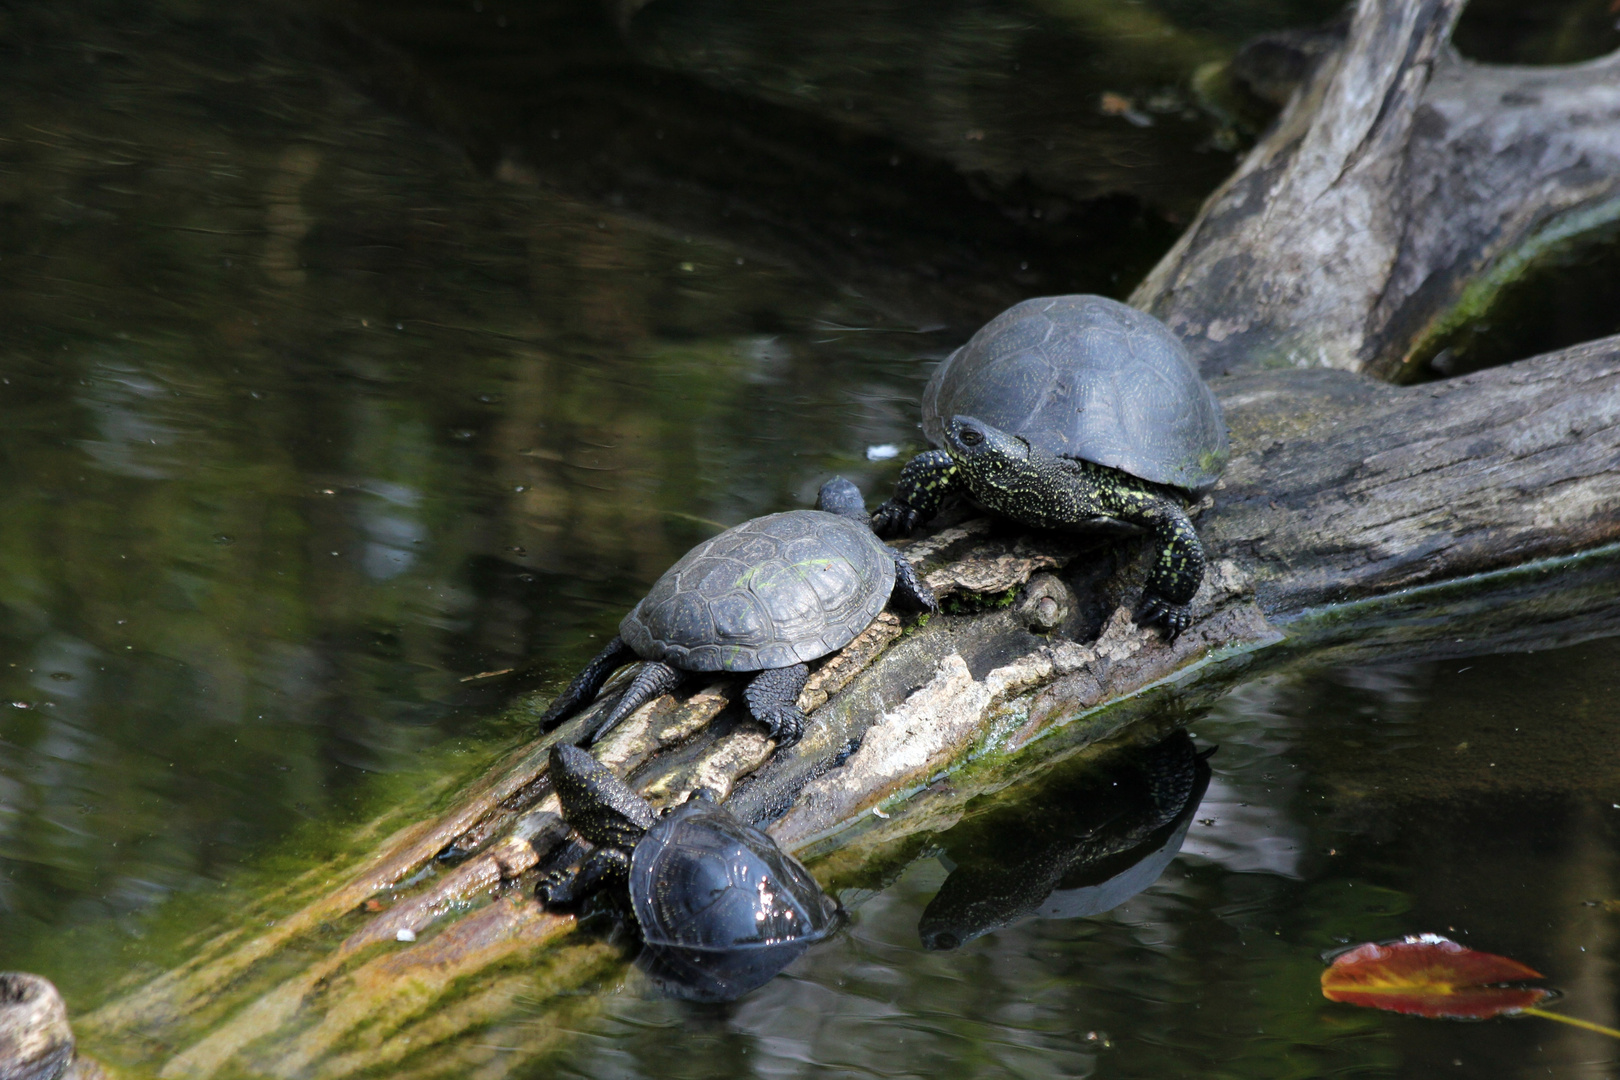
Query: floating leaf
1428	975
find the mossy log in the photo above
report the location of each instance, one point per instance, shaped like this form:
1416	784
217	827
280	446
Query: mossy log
1355	517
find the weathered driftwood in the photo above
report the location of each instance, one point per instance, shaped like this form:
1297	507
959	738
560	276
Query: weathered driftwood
1352	513
1400	190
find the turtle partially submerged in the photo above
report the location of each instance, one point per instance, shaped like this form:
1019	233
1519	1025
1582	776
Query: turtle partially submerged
720	907
1066	409
767	596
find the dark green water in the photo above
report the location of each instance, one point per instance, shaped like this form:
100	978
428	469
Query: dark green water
309	422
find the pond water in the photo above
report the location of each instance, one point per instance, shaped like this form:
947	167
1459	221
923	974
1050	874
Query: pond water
320	441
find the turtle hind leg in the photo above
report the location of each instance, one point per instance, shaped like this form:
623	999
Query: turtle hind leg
912	591
597	804
604	868
585	685
654	678
923	485
773	699
1178	565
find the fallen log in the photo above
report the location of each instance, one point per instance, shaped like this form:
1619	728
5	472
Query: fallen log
1356	518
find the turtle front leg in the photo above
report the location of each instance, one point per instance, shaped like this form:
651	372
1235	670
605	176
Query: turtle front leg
604	868
1178	568
923	485
773	699
653	679
587	683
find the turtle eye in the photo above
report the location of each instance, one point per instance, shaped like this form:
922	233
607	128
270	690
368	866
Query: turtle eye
970	437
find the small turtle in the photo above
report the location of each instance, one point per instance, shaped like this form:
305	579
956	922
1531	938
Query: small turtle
1064	410
721	908
768	595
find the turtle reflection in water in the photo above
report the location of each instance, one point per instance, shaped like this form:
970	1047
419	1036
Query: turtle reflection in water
720	907
1083	850
766	596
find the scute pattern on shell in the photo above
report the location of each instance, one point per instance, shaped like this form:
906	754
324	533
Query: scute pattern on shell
701	879
771	592
1090	378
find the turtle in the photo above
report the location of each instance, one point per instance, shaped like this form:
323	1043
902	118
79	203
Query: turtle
1064	410
720	908
767	596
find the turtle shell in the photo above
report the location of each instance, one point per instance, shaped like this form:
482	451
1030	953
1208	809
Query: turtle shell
1089	378
771	592
721	907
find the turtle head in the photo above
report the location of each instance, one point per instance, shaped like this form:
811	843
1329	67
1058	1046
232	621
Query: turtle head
968	440
985	452
597	804
839	496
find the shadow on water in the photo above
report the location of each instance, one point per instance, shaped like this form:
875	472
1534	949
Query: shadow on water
1567	296
947	159
1551	32
1083	849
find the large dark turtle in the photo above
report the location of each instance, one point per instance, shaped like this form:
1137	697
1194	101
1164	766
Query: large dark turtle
768	595
1064	410
720	907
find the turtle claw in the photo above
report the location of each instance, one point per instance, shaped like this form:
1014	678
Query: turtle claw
1173	617
557	889
789	729
894	518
